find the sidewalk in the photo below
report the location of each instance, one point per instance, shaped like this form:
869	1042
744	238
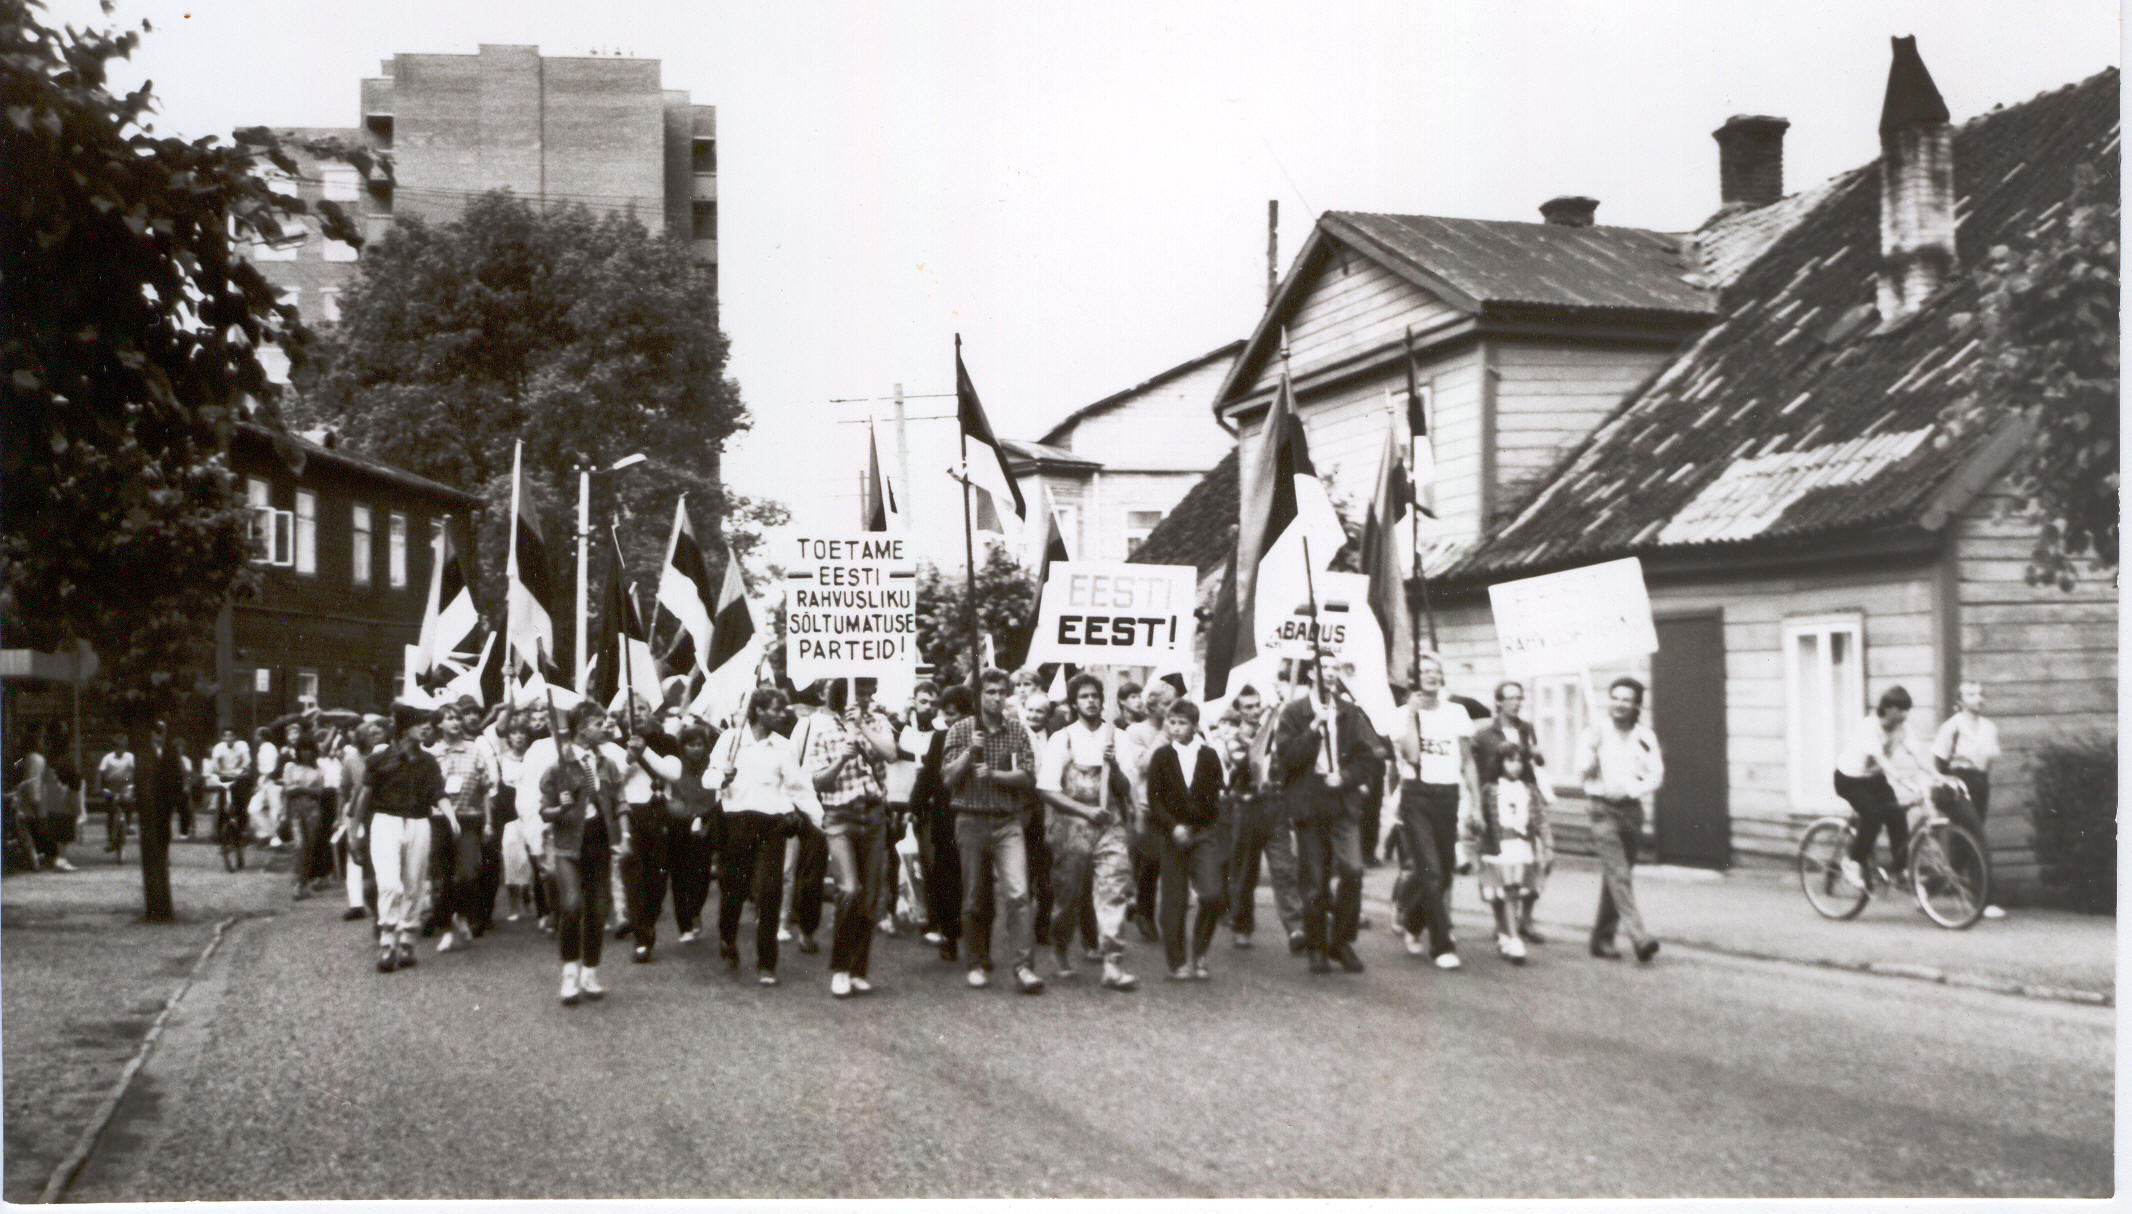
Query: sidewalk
1762	913
82	979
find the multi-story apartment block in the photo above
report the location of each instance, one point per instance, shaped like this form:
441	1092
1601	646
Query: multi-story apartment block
438	130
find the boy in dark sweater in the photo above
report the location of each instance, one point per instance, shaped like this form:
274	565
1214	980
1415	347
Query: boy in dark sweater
1184	787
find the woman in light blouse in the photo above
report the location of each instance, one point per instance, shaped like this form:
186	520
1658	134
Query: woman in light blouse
763	796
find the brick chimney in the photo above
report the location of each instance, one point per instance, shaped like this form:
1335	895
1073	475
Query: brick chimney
1569	211
1917	253
1750	159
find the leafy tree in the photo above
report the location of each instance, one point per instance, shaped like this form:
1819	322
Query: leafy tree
587	337
129	331
1006	608
2050	331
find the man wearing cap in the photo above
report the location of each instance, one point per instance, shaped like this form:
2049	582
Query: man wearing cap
401	788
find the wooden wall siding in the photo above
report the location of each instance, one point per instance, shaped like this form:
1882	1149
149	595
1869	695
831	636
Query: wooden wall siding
1170	428
2047	659
1897	607
1351	309
1549	398
1346	427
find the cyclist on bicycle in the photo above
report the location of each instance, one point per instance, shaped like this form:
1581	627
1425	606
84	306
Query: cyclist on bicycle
114	777
1879	754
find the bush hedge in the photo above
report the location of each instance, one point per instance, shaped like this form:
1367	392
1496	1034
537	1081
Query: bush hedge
2075	815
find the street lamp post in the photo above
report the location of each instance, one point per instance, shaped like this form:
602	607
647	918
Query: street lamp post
584	535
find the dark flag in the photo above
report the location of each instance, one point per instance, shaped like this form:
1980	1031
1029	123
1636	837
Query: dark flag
990	482
878	501
617	629
1423	463
685	593
1390	501
530	589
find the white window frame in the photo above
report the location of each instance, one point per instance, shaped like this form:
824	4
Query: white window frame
1555	705
339	182
306	690
305	557
396	551
296	231
1821	705
273	531
1136	535
360	542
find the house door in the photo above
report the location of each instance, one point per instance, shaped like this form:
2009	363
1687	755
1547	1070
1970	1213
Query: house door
1693	818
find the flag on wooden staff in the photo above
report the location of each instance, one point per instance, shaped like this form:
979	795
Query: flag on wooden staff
529	583
1381	550
878	501
991	484
617	635
450	617
736	645
686	594
1283	505
1423	462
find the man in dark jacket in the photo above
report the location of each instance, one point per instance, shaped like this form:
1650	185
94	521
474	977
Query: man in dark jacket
1320	749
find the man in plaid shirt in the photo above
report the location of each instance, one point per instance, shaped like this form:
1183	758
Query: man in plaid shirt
990	771
467	783
846	751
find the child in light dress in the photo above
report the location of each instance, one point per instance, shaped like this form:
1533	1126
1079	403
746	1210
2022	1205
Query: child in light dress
1512	823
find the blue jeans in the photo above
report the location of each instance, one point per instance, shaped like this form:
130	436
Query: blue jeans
991	845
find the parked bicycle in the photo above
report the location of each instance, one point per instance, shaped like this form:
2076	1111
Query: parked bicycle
1944	865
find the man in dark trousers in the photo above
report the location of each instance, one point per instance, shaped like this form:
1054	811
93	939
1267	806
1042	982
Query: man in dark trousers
1320	749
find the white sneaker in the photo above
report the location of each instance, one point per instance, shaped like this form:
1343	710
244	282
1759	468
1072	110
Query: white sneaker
1994	912
840	985
1513	948
447	941
784	935
977	979
860	986
935	939
1851	872
62	864
1415	947
570	990
588	980
691	936
1448	961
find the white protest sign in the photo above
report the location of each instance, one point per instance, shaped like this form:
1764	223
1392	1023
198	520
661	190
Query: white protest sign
1560	623
851	608
1114	613
1343	601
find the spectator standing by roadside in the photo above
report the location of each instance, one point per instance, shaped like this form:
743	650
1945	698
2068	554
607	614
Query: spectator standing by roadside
1965	748
1620	764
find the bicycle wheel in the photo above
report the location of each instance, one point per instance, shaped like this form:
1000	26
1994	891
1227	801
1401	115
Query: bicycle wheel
1821	852
1948	875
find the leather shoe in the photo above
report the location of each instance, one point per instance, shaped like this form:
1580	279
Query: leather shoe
807	944
1605	951
1349	960
1647	950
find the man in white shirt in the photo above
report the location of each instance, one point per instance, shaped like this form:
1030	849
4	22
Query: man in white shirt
1620	764
1965	748
114	778
1090	858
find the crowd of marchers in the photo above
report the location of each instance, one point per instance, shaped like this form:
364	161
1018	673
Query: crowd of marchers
964	815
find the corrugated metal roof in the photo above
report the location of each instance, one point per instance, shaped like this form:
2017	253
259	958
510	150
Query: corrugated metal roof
1499	262
1796	419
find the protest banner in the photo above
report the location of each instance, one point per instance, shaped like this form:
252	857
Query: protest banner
851	608
1343	605
1114	613
1562	623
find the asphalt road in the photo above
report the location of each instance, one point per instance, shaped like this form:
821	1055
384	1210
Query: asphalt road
293	1070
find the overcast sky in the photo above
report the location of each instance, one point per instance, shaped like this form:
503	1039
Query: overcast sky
1080	190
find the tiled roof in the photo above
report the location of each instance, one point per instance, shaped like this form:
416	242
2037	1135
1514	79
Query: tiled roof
1798	414
1497	263
1201	528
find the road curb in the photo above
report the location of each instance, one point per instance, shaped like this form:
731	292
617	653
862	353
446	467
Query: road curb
71	1166
1884	969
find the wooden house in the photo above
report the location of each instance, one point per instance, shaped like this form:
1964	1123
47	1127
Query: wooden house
1754	410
